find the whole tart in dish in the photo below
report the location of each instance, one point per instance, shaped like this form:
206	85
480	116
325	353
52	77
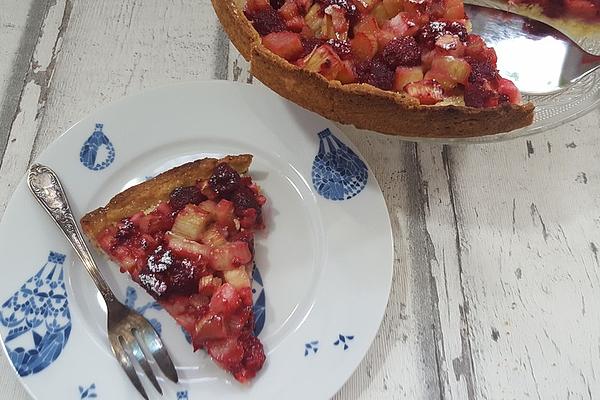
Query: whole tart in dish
187	237
405	67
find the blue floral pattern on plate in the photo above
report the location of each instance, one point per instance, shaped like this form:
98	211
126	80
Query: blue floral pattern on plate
89	151
130	300
259	300
182	395
37	319
343	341
88	393
337	172
312	346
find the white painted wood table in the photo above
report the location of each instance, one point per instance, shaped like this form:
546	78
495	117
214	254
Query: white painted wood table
496	292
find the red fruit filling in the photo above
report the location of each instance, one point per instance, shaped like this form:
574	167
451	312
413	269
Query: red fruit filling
585	10
193	254
389	44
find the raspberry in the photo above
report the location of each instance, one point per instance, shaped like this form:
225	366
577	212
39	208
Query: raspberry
403	51
376	73
224	180
276	4
310	44
267	21
125	231
185	195
341	47
244	198
481	70
479	94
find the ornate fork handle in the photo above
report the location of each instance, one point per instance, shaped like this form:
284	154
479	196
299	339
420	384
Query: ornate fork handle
47	189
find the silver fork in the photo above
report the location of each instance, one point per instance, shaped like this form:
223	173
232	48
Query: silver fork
129	333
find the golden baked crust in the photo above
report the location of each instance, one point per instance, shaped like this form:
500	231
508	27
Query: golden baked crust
362	105
153	191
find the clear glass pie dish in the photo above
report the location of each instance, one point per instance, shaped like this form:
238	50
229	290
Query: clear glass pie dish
554	109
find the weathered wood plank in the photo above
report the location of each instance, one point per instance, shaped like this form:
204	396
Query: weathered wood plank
19	29
527	218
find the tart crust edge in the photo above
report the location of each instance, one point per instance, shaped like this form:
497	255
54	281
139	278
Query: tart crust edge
151	192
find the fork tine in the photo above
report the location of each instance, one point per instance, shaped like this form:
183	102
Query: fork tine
160	354
125	361
140	356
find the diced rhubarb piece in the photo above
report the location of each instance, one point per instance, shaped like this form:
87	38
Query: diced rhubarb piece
582	8
405	75
476	49
187	248
401	25
380	13
347	73
208	284
450	45
225	300
154	222
339	22
291	14
427	92
224	212
508	89
191	222
226	352
230	255
287	45
209	206
238	277
289	10
324	61
315	20
368	24
254	6
238	321
454	9
392	7
212	326
364	46
215	235
449	71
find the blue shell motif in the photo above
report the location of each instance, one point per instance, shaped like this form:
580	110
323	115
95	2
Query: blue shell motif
337	172
259	300
89	150
36	319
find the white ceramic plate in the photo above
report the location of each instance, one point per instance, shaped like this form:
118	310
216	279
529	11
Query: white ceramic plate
324	263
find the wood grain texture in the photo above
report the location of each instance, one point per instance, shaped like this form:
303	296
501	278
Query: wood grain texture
497	276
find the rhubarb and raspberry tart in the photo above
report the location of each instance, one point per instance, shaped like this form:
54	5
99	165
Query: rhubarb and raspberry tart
187	237
407	67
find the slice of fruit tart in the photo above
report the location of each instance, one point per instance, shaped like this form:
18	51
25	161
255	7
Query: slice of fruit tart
406	67
187	237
